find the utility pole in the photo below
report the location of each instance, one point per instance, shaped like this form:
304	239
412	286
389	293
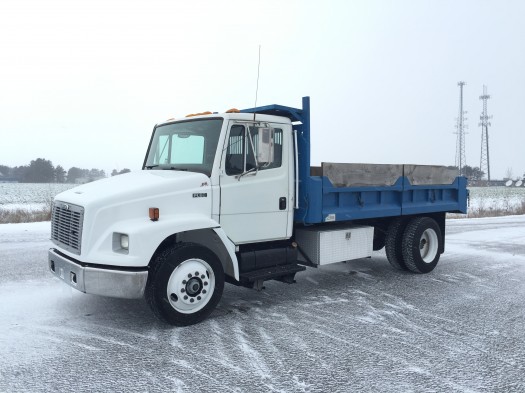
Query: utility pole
461	126
484	163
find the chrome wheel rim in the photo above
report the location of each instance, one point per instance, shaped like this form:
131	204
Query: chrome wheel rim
428	245
190	286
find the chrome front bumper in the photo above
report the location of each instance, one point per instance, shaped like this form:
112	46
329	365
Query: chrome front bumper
97	281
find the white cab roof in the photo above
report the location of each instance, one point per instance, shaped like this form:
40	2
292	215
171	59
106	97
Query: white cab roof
233	116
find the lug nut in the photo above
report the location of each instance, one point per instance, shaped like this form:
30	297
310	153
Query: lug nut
204	291
184	281
196	273
185	297
205	282
189	275
183	290
192	300
203	276
198	298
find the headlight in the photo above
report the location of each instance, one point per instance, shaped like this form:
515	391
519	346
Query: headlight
124	242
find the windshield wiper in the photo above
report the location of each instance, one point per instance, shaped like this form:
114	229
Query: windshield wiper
166	168
176	169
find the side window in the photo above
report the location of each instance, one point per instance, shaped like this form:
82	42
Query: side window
240	155
235	151
250	157
278	149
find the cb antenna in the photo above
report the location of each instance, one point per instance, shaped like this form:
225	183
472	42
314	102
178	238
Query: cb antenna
257	86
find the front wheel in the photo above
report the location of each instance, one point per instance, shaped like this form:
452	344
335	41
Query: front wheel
421	244
185	284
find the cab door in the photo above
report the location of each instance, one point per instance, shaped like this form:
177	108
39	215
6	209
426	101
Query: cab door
255	201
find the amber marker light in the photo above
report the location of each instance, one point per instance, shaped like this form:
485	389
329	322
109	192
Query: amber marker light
154	213
199	114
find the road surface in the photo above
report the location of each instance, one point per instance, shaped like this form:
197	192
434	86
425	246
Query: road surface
356	326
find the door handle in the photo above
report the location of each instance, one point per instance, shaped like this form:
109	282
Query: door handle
282	203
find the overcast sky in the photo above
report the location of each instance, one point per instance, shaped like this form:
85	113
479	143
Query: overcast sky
84	82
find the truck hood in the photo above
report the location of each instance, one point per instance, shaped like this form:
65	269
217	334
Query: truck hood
138	185
121	204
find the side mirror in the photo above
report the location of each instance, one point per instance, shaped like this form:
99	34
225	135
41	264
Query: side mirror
265	146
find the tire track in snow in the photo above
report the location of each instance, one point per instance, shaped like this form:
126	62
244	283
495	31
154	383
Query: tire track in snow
252	356
386	319
276	354
196	369
395	360
454	330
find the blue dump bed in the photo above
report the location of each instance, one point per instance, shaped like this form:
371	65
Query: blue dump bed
344	192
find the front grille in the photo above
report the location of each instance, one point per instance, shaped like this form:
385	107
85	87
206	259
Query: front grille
66	226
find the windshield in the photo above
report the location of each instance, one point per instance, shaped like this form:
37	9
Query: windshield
186	146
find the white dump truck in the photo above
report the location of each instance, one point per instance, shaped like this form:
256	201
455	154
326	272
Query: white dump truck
231	197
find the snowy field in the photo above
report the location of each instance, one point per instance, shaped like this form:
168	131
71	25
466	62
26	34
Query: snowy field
502	198
357	326
31	196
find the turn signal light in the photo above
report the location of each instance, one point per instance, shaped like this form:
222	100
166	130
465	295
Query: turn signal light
233	110
154	213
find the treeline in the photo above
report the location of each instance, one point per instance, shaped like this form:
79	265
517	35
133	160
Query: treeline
475	175
472	173
43	171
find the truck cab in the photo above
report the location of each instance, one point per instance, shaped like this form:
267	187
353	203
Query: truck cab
250	169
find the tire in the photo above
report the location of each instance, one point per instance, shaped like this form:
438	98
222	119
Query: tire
185	284
379	239
421	244
393	243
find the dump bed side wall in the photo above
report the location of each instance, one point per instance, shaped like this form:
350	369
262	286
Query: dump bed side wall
344	192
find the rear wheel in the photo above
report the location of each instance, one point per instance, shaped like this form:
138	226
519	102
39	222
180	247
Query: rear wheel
185	284
421	244
393	243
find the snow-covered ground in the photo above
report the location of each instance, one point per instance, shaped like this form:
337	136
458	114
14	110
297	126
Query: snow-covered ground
29	196
496	198
357	326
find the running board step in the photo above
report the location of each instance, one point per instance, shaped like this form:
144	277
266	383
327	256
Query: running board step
283	273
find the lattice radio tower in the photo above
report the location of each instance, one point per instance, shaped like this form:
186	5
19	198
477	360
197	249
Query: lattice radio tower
484	163
461	126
